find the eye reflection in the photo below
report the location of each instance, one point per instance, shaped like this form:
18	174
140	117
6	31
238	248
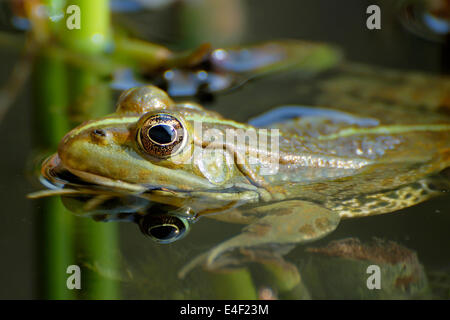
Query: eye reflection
164	228
162	223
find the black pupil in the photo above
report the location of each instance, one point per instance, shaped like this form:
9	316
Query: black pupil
164	232
162	133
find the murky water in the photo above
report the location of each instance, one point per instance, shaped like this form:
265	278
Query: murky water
143	269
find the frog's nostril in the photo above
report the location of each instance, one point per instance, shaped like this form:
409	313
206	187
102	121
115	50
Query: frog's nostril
99	132
99	136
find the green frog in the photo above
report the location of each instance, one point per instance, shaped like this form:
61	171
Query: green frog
295	174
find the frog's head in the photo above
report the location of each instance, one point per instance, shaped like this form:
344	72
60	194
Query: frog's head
147	144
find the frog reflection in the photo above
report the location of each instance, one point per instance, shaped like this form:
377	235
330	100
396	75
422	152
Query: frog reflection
206	71
162	223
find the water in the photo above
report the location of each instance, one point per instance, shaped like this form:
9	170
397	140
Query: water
148	270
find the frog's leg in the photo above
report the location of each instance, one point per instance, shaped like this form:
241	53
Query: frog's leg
276	229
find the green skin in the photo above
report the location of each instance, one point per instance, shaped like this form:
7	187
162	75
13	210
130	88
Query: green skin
330	167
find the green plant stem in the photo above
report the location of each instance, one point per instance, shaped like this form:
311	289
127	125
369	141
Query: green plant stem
89	98
233	284
66	95
94	35
55	240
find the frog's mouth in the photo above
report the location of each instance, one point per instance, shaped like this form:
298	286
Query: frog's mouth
60	179
56	175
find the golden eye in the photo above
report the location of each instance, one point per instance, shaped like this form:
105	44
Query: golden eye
161	135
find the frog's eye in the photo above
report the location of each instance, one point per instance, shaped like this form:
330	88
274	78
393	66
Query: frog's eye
161	135
164	228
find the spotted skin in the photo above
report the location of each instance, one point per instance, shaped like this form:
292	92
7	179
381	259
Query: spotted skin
385	202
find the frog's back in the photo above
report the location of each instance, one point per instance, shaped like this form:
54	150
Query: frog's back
345	160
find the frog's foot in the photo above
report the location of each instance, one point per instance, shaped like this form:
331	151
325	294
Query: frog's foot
280	227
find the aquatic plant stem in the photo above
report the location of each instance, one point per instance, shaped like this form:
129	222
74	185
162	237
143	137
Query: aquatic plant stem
94	34
66	95
234	284
55	240
90	98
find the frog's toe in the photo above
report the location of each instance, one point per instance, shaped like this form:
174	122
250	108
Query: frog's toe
218	258
197	261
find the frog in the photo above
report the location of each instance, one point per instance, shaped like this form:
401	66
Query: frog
324	165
